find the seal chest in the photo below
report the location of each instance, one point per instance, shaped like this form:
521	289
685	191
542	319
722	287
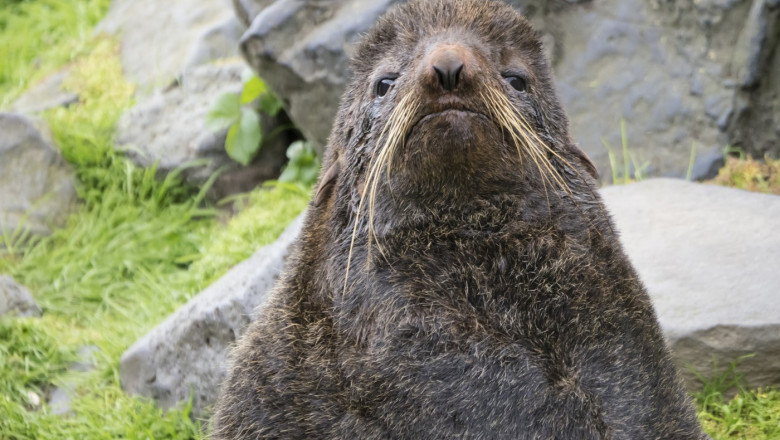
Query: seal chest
458	275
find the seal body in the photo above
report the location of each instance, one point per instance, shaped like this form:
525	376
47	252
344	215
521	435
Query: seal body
458	275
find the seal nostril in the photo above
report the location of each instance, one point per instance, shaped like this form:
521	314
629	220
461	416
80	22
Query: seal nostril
448	67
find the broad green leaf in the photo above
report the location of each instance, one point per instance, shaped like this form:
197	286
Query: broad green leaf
290	173
244	138
309	173
252	90
230	141
226	111
270	104
247	74
303	166
294	150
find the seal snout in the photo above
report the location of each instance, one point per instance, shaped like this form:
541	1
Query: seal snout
448	66
445	66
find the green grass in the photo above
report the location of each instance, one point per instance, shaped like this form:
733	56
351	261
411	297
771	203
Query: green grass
627	169
116	270
748	415
38	37
137	248
29	357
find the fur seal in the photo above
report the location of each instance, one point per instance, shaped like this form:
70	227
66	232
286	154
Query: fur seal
458	275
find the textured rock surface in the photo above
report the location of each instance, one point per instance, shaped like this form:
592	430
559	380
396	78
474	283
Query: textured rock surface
45	95
160	43
676	72
247	10
756	123
301	49
36	184
170	127
663	67
187	352
15	299
709	258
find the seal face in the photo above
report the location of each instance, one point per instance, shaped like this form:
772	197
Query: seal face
458	275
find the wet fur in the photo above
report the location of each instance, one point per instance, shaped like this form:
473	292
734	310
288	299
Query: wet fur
488	295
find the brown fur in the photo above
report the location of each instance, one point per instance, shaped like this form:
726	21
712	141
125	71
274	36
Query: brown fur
458	275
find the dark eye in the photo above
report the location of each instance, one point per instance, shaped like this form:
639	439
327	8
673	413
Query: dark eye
517	82
383	86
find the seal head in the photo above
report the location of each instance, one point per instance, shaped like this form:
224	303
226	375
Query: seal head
463	99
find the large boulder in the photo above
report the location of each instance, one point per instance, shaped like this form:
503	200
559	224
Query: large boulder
169	128
187	354
37	186
709	258
162	40
677	73
16	300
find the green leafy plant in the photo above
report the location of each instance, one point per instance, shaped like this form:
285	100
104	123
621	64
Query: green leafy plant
304	165
240	114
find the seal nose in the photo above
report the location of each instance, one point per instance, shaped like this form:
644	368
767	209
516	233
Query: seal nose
448	65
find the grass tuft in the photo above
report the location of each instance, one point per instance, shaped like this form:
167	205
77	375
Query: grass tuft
749	174
750	414
622	173
29	358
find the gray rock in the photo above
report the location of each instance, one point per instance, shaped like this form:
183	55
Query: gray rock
710	260
707	163
37	189
187	352
247	10
755	125
217	42
750	45
160	41
45	95
60	399
16	300
169	128
668	69
302	49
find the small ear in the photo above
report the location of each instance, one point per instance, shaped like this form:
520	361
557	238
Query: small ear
585	161
327	182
